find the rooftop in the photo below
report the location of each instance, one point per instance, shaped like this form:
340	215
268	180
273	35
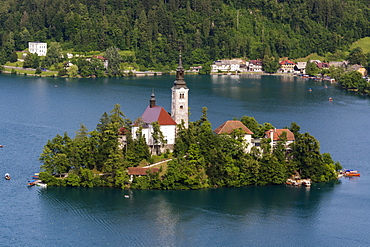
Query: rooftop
157	113
230	126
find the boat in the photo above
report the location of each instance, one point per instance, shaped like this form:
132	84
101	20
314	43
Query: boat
42	185
289	182
31	183
7	176
351	173
330	99
1	146
306	183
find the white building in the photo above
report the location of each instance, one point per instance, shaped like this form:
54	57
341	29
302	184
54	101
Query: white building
229	126
226	66
255	66
275	135
37	47
180	94
300	68
167	125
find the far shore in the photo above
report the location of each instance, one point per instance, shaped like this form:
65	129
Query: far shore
31	72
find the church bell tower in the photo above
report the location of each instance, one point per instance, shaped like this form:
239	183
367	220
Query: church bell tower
180	110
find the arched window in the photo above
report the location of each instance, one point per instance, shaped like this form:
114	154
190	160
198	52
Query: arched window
182	96
181	107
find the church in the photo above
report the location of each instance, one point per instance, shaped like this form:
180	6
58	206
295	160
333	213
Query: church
167	123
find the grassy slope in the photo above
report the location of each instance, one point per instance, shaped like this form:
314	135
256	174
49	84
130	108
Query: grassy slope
364	43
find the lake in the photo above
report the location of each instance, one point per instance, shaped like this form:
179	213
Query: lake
33	110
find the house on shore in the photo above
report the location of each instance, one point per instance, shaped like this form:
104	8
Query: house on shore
40	48
359	68
300	68
103	59
229	126
342	64
226	65
140	171
255	66
286	66
277	135
323	65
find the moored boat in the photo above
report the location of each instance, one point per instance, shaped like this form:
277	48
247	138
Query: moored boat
31	183
306	183
351	173
42	185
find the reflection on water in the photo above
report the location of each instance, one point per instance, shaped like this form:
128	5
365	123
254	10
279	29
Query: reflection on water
174	218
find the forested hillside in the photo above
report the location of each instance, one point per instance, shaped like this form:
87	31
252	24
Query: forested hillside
205	29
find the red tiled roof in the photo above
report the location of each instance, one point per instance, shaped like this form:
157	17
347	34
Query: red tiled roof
141	171
231	125
279	132
322	65
99	57
255	62
157	113
286	62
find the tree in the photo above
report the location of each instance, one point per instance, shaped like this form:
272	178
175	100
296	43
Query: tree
38	71
114	60
352	80
81	132
54	54
312	69
158	138
72	71
35	61
54	156
28	61
13	57
356	56
206	69
270	64
252	124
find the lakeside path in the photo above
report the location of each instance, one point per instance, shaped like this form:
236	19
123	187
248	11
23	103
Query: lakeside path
28	71
158	163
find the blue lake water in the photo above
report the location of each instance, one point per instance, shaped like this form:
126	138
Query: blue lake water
33	110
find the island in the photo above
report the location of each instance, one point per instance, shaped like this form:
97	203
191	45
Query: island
201	158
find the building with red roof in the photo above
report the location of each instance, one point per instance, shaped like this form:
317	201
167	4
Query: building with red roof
154	113
255	66
229	126
140	171
286	66
277	134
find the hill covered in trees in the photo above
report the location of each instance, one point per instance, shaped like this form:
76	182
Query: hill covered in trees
206	30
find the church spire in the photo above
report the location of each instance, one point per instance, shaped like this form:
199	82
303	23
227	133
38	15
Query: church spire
180	109
152	100
180	80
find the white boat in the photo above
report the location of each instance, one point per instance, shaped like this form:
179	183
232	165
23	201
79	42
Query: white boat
42	185
306	183
7	176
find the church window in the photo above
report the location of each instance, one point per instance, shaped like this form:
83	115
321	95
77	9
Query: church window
182	96
181	107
